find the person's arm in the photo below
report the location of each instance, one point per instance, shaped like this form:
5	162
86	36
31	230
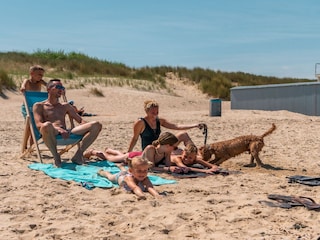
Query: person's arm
23	85
38	114
211	167
179	163
137	129
134	187
43	82
176	160
149	154
173	126
167	160
150	188
73	114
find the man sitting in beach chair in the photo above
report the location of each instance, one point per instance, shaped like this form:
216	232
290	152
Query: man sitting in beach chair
49	117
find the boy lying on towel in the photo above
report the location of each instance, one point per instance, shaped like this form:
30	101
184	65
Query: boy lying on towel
189	157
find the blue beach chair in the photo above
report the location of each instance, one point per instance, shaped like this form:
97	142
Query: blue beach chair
64	145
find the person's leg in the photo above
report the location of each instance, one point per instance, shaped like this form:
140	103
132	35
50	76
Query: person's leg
29	136
121	157
112	151
110	155
49	137
108	175
92	152
90	131
122	168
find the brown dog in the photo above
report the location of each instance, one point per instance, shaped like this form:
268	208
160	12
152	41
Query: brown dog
230	148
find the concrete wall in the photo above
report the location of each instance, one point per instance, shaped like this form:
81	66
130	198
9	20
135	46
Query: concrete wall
296	97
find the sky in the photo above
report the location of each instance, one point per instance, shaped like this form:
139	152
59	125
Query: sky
270	38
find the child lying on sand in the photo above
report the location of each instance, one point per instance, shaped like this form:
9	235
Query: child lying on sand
135	179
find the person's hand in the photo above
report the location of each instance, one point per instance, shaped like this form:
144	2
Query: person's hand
202	126
141	198
211	170
180	170
64	133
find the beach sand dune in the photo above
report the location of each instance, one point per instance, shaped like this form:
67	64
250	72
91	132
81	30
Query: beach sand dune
35	206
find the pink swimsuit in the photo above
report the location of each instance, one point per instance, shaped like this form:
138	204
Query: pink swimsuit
134	154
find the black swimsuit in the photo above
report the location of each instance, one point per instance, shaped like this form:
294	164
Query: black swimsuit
149	135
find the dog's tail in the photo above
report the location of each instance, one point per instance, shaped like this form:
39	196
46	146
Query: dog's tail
269	131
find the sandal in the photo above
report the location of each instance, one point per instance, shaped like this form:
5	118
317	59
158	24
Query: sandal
87	185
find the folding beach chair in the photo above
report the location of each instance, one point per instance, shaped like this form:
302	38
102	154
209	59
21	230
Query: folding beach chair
64	145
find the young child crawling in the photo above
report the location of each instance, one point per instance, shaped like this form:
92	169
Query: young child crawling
135	179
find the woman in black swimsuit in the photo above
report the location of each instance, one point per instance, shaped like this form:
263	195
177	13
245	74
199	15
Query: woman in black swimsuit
148	128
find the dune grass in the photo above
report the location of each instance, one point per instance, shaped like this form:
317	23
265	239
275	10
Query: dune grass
6	82
84	70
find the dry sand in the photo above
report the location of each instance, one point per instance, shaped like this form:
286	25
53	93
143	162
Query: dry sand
35	206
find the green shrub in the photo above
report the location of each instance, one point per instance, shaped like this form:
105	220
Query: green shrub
72	65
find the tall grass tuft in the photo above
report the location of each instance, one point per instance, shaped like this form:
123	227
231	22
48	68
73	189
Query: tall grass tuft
6	82
96	92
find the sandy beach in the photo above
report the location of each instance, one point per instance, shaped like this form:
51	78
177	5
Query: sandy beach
36	206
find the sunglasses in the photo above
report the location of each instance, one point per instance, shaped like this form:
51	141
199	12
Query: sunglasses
59	87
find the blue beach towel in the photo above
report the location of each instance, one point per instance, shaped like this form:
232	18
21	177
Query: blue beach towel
88	173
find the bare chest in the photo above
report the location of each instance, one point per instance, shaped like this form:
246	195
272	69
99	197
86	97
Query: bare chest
30	86
54	113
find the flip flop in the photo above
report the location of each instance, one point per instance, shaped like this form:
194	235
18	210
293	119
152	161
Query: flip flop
285	199
311	181
278	204
309	203
294	201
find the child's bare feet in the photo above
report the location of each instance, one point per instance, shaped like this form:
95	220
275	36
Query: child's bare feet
87	154
141	198
100	173
100	155
125	162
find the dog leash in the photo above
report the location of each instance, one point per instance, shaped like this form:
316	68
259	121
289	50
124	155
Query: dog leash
205	133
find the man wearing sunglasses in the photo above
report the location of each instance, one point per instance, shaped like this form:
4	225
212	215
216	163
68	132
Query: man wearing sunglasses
49	117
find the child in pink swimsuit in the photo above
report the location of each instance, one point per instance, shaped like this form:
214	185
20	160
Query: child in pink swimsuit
112	155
